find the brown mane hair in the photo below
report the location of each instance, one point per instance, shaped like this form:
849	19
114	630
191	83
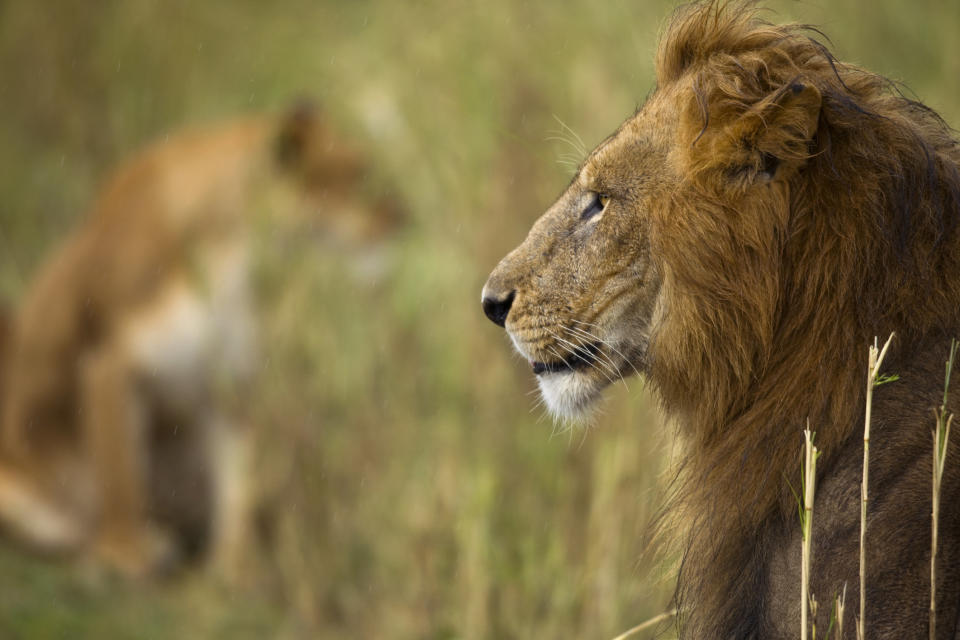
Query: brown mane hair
773	298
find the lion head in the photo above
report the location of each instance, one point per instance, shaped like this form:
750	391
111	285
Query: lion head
328	172
672	227
685	246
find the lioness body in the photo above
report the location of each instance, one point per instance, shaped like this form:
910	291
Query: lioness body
740	241
135	335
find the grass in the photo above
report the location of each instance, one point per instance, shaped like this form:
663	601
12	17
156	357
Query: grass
648	624
941	437
415	494
874	362
839	608
807	602
44	600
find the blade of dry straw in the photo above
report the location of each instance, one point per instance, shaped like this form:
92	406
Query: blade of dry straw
809	482
875	359
941	438
840	603
652	622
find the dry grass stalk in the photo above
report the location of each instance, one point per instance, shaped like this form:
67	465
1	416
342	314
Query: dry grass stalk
839	605
941	438
809	482
875	360
652	622
813	618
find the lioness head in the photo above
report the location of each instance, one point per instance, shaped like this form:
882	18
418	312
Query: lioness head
671	231
330	173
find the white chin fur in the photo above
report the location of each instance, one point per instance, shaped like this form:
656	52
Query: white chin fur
568	395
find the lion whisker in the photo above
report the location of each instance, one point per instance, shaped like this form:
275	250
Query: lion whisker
607	343
568	160
559	427
580	142
583	337
538	402
558	138
572	349
605	361
553	352
572	352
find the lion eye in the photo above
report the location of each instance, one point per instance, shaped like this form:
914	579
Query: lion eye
597	204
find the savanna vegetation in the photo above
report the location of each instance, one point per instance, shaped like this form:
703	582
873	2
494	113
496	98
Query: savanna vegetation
412	488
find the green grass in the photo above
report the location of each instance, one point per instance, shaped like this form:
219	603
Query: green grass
45	600
416	494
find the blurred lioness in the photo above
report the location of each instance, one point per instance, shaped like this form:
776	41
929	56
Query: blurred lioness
114	440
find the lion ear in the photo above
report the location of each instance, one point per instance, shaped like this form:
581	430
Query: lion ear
778	131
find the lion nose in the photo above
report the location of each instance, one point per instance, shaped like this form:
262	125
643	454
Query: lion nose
497	308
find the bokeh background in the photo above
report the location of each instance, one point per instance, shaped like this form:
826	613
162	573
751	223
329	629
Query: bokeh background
412	489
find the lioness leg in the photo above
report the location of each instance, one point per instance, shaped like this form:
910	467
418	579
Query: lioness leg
115	427
229	452
29	517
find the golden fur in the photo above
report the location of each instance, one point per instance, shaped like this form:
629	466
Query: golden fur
740	241
114	439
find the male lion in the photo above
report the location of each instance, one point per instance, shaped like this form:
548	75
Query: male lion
740	241
113	435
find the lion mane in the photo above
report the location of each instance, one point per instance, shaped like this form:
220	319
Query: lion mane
772	301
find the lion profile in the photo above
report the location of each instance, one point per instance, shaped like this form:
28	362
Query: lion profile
739	241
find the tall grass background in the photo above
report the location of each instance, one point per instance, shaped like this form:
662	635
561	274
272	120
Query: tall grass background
413	490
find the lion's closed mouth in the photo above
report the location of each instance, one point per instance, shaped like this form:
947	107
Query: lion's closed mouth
579	358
